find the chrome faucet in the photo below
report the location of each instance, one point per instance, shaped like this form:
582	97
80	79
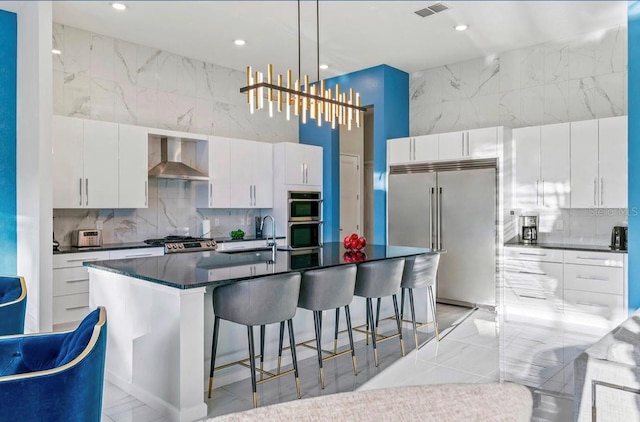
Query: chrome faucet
273	244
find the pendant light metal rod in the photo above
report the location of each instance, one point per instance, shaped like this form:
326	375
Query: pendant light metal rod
299	72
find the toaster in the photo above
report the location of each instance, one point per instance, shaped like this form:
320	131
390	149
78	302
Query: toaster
86	238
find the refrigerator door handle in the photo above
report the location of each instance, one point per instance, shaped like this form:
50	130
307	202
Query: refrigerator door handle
431	228
440	219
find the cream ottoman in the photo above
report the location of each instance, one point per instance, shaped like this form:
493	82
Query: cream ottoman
441	403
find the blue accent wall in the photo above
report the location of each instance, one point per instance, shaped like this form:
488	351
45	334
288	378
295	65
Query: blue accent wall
386	89
634	154
8	58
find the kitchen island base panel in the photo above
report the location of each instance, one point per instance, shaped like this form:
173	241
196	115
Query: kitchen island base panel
155	342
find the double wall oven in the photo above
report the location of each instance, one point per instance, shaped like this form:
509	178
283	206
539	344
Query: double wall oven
304	220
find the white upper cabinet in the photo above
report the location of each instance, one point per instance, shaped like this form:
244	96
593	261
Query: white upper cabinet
527	166
612	162
399	150
542	166
91	158
214	194
555	162
133	152
584	164
452	145
250	174
599	163
418	148
426	148
482	143
67	164
303	164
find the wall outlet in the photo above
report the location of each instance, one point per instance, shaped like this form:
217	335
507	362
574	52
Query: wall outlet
99	225
217	222
558	225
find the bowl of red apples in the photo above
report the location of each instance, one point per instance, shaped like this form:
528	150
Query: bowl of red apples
353	242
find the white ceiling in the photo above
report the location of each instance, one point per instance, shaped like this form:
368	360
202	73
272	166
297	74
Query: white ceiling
353	34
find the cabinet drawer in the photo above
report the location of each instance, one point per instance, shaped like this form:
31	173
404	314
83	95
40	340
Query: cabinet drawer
76	259
593	278
249	244
533	254
136	253
72	280
534	280
597	309
606	259
70	308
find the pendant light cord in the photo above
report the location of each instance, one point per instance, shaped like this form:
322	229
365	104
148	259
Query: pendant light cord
299	73
318	38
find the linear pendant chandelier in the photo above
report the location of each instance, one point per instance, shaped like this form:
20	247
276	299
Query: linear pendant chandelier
331	105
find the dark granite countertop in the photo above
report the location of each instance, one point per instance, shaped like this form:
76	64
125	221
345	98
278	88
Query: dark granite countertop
106	247
565	246
198	269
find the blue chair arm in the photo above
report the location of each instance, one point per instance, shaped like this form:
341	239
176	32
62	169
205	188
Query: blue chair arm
13	312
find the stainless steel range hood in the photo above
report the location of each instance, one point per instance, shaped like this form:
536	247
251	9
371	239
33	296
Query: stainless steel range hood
171	165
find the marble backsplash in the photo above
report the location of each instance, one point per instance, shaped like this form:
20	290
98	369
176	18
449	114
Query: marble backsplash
576	226
559	81
171	211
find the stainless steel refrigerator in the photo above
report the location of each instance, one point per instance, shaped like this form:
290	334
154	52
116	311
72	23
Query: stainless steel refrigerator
450	206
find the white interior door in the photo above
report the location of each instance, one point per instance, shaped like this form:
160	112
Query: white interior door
350	195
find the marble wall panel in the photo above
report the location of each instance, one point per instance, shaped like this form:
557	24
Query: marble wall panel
582	57
102	93
609	95
556	61
102	57
556	102
611	51
581	99
532	66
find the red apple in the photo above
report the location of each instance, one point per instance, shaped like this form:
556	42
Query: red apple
354	236
363	241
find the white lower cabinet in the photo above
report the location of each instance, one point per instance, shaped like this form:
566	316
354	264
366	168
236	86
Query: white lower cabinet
574	286
71	280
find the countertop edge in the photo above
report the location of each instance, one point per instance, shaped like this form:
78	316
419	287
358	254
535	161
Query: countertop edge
559	246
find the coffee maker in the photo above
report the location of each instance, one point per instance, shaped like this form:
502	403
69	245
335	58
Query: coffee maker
619	238
528	229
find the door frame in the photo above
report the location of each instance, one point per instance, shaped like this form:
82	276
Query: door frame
360	189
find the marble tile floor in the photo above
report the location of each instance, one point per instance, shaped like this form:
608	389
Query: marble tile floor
478	346
118	406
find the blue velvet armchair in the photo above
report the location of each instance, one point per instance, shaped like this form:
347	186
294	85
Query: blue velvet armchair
13	305
54	377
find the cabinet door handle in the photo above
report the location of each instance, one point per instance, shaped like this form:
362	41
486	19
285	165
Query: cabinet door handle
306	173
592	278
146	193
544	203
86	189
596	305
531	272
76	281
533	297
537	192
533	254
254	195
137	255
210	194
83	260
589	257
602	191
250	195
302	171
462	143
595	191
80	192
413	143
76	308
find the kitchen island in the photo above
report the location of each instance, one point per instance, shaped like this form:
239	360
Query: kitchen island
160	317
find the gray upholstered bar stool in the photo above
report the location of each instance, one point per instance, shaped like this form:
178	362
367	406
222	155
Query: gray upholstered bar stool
420	272
378	279
258	301
321	290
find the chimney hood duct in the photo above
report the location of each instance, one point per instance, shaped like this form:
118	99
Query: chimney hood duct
171	165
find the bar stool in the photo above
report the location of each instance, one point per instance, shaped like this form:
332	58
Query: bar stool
419	272
258	301
378	279
321	290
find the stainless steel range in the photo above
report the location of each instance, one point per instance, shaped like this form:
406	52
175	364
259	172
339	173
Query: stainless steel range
174	244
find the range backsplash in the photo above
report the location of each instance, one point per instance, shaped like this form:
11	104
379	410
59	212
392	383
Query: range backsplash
171	211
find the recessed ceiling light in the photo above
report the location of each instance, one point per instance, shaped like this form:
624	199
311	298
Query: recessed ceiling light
239	42
461	27
119	6
324	66
56	51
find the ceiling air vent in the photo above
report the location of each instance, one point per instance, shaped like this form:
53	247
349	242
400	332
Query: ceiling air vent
437	8
428	11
